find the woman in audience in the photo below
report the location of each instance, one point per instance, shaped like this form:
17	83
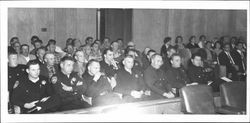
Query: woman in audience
179	43
80	64
192	43
95	52
13	40
16	45
217	50
202	41
165	46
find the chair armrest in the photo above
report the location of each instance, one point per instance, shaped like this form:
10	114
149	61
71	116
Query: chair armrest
229	110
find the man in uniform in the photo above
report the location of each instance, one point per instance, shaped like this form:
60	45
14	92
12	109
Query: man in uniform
176	74
70	87
100	87
34	93
155	79
15	71
40	52
130	82
108	65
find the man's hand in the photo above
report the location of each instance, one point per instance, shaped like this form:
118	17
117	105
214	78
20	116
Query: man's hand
97	76
168	95
44	99
66	88
31	104
112	82
194	83
147	92
136	94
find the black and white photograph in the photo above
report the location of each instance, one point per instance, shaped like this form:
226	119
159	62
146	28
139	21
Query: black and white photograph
124	61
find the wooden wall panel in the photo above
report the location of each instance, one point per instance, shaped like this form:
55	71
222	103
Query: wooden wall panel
152	25
61	23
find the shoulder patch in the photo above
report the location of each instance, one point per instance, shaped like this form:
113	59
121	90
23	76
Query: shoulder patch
54	80
16	84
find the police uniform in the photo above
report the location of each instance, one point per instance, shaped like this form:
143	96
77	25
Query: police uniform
197	74
156	81
126	82
109	70
28	91
70	99
177	77
14	74
100	90
48	71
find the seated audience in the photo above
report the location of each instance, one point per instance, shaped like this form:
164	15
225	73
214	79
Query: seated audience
179	43
69	86
156	80
130	82
192	45
137	59
87	51
13	40
105	44
34	93
89	41
165	46
80	64
49	68
37	44
166	59
100	87
196	72
147	61
95	52
108	65
25	57
118	53
40	55
15	72
239	56
176	74
17	47
51	48
226	59
202	41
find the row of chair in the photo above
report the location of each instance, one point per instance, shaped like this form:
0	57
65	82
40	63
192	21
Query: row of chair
198	99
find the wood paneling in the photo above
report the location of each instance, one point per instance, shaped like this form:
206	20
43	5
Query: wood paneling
150	26
61	23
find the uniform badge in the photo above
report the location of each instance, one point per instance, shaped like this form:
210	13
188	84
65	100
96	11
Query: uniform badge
136	76
73	79
16	84
54	79
43	82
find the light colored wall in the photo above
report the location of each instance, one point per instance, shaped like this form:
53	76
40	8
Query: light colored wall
61	23
150	26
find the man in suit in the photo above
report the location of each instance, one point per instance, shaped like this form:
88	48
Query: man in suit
226	59
49	67
239	57
25	56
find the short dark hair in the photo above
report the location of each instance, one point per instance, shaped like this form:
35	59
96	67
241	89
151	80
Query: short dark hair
33	39
51	41
113	42
11	51
202	36
88	39
12	40
153	56
23	45
92	61
67	58
178	37
191	38
31	62
166	40
175	54
151	50
196	55
40	48
39	41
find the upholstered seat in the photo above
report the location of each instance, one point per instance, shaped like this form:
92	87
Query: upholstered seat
198	99
233	97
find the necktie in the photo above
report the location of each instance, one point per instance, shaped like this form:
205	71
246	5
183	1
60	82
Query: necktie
231	59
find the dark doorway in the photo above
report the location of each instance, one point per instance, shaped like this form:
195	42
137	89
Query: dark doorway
116	23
